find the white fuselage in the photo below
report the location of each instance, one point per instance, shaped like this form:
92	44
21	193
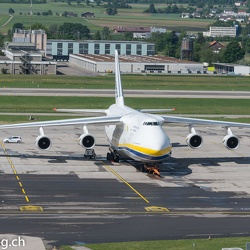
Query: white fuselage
139	137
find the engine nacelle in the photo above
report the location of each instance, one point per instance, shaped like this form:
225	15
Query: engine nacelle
230	140
193	139
43	142
87	141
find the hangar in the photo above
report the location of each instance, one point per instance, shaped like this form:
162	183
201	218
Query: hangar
136	64
231	69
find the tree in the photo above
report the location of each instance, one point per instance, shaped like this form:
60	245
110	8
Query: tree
152	8
98	35
105	33
73	31
1	40
111	11
11	11
128	36
233	52
38	26
17	26
53	31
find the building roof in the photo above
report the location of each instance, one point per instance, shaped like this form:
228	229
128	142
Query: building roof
121	29
133	58
98	41
215	43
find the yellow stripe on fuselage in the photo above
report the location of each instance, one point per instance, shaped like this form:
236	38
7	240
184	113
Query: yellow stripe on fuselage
147	151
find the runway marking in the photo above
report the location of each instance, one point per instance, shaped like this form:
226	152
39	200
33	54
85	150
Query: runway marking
156	209
116	174
14	171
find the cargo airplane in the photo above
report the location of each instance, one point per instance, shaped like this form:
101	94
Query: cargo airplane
132	134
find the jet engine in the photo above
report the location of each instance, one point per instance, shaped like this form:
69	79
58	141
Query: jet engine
42	141
86	140
193	139
230	140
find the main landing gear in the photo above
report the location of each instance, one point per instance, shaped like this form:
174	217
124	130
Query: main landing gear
112	156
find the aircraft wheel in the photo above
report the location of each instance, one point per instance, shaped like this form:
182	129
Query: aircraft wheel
108	156
117	158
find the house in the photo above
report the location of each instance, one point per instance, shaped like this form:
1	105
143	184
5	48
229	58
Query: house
70	14
121	29
185	15
87	15
216	46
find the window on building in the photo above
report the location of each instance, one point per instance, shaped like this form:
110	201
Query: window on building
138	49
150	50
97	48
128	49
118	48
107	48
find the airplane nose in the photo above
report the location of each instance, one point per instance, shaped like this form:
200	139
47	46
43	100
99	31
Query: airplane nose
160	143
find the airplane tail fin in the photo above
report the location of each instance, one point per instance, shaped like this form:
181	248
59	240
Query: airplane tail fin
119	98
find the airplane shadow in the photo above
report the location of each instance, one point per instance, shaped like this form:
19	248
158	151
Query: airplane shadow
172	167
181	166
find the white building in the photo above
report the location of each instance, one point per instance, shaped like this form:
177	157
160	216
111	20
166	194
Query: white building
137	64
221	31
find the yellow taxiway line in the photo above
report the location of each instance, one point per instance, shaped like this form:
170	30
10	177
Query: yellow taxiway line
124	181
14	172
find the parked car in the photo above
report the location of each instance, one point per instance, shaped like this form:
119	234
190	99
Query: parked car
16	139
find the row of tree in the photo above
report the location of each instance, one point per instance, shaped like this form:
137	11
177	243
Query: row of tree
24	1
189	2
75	31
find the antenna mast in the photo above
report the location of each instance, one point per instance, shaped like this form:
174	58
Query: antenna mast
30	14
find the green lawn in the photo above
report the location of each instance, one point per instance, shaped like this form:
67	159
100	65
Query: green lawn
192	244
30	105
155	82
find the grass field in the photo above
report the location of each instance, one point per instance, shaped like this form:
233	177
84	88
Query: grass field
182	105
154	82
125	17
31	105
192	244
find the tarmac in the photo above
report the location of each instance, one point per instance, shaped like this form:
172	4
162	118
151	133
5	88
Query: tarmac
97	201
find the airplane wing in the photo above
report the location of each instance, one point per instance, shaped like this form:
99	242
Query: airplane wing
82	111
193	121
77	121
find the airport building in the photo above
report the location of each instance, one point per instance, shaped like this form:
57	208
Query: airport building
37	37
61	49
231	69
24	58
137	64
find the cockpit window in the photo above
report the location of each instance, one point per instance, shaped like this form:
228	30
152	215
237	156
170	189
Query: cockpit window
151	123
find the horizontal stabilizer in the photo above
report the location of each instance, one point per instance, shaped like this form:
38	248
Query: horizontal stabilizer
82	111
156	111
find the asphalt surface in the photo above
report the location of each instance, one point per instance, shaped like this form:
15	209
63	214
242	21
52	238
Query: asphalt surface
127	93
202	193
